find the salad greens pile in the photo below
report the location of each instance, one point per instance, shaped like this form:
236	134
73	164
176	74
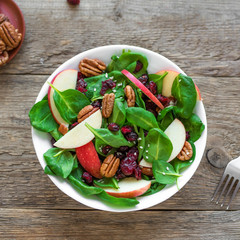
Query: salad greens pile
147	123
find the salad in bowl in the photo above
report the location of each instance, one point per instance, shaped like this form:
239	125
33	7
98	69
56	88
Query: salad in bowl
119	128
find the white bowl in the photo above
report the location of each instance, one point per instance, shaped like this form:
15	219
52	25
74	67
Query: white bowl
157	62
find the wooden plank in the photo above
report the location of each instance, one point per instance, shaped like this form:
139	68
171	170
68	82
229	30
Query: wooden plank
23	183
200	36
72	224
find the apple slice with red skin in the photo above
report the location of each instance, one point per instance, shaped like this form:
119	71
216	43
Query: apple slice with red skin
129	187
67	79
143	88
199	98
88	158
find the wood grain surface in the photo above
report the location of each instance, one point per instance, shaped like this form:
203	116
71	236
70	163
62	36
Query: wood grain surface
201	37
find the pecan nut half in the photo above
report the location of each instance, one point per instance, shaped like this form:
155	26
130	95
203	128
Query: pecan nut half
4	58
10	35
107	105
3	18
130	94
86	112
186	152
63	129
147	171
91	67
2	46
109	166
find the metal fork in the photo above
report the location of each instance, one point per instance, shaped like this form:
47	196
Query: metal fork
232	172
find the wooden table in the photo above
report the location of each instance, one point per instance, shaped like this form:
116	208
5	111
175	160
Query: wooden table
202	37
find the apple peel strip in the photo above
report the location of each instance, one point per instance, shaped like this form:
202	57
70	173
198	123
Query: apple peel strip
142	87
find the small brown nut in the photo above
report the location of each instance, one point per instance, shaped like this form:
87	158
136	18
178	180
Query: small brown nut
63	129
107	105
4	58
3	18
109	166
91	67
147	171
10	35
130	94
2	46
86	112
186	152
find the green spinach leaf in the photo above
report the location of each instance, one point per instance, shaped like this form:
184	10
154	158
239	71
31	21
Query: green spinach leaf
158	79
155	187
164	172
107	182
41	117
56	134
59	161
166	117
141	143
158	146
194	126
113	139
119	113
141	117
183	89
99	144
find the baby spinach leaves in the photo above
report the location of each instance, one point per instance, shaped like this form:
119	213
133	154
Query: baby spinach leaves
107	182
194	126
165	117
41	117
158	79
157	146
69	103
155	187
119	112
114	139
59	161
56	134
141	143
141	117
164	172
183	89
128	61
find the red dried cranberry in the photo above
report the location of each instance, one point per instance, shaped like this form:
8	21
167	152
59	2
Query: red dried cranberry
143	79
126	129
80	76
150	104
104	88
187	135
119	155
164	100
53	141
127	166
145	133
139	66
106	149
153	87
138	173
123	149
73	125
96	104
119	174
113	127
133	153
81	83
87	177
131	136
110	83
81	89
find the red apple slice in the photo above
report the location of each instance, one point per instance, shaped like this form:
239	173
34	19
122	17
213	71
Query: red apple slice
199	98
88	158
80	135
168	82
129	187
67	79
142	87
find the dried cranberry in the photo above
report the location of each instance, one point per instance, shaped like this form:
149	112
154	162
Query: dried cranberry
113	127
145	133
127	166
138	173
153	87
150	104
53	141
80	76
96	104
119	174
110	83
81	89
73	125
139	66
123	149
104	88
131	136
164	100
81	83
106	149
133	153
87	177
126	129
143	79
187	135
119	155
